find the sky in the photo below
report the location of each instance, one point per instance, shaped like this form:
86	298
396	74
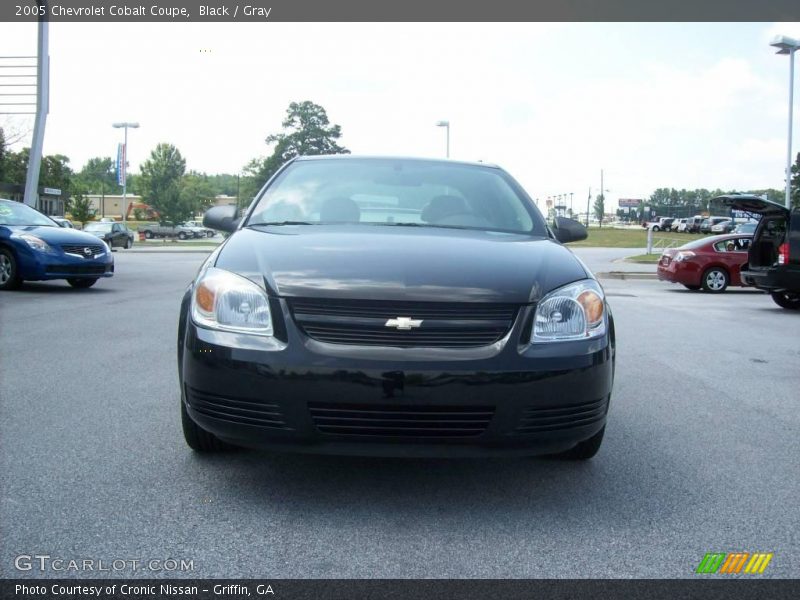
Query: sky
653	105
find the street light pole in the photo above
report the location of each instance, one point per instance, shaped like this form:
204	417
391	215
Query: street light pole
124	165
787	45
446	125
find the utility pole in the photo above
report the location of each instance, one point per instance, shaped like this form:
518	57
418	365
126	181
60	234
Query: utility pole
588	203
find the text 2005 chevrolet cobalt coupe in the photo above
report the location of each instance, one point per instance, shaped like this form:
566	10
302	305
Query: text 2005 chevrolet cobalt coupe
395	307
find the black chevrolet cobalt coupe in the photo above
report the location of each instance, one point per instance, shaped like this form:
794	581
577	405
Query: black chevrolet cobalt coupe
401	307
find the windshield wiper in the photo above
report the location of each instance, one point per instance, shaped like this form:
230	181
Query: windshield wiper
281	223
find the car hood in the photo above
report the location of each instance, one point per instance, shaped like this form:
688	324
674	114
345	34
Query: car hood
391	263
54	235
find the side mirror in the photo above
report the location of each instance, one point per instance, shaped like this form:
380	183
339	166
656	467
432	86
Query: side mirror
569	230
222	218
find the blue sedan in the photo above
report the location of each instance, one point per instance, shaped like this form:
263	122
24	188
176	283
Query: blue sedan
34	248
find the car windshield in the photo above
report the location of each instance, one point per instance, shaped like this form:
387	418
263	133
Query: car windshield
17	213
396	192
104	227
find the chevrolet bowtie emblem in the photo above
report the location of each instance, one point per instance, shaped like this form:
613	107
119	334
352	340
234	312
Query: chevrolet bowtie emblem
404	323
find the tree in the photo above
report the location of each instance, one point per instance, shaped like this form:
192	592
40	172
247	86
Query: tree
224	183
307	132
161	182
98	176
197	192
795	182
56	173
79	206
16	167
600	208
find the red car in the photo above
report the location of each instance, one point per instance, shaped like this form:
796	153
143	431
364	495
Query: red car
711	263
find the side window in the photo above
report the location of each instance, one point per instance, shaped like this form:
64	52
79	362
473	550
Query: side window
722	246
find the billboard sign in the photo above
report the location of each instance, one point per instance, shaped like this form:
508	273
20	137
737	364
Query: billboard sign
629	202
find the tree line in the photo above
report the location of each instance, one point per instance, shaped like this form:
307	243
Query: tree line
163	182
672	202
177	194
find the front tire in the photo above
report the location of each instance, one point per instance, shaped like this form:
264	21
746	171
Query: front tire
148	235
586	449
715	280
81	283
787	300
9	274
197	438
656	228
128	244
181	236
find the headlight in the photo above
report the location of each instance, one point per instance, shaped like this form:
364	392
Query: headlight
34	242
574	312
226	301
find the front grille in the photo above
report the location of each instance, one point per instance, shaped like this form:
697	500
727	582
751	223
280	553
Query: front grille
407	421
536	419
443	324
244	411
81	250
77	269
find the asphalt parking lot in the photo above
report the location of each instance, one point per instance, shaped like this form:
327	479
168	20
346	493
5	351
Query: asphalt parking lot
700	455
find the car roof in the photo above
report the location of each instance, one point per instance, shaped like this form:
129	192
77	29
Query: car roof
347	157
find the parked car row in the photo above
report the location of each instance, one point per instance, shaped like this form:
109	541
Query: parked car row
182	231
699	224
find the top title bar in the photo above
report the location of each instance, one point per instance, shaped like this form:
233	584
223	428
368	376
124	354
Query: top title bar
407	10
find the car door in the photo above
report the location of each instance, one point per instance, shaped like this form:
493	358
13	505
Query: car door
735	256
116	235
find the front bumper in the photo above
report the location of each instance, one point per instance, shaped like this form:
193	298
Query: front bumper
302	395
41	266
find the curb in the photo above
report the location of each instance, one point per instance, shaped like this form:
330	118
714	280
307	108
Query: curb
626	275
